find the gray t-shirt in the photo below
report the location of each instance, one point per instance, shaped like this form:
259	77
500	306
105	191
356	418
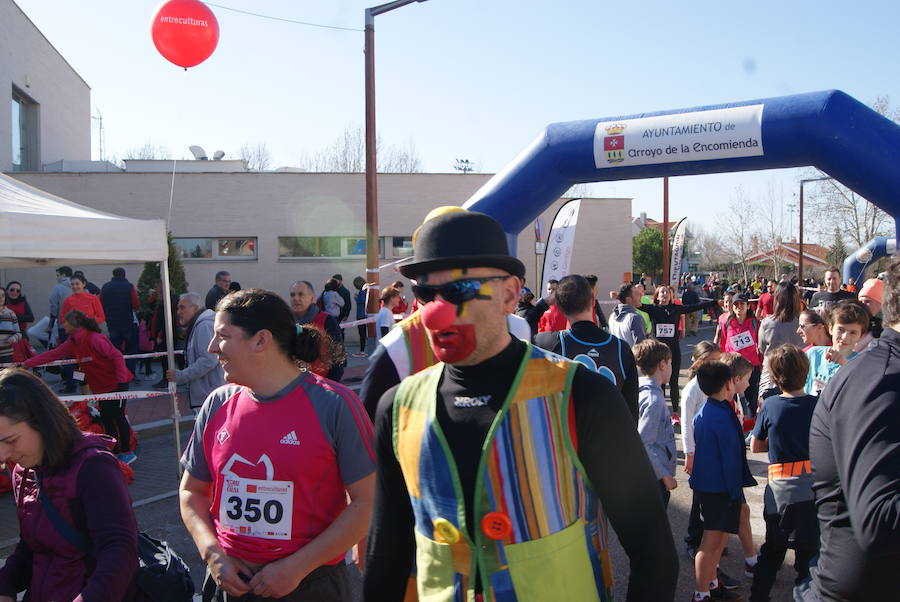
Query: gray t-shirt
774	333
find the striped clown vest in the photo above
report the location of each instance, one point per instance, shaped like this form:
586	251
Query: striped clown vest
408	346
540	533
418	346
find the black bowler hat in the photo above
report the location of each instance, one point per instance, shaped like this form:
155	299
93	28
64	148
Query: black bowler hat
461	239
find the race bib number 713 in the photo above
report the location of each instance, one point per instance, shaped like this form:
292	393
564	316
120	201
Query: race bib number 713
257	507
741	340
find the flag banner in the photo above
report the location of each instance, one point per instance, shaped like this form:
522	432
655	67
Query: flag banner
560	243
677	248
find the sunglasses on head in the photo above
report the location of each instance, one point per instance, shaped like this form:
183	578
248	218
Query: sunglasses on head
456	292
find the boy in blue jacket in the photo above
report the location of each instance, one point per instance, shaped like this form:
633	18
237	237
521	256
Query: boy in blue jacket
719	475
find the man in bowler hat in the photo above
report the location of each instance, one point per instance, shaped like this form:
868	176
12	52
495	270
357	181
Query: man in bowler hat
499	465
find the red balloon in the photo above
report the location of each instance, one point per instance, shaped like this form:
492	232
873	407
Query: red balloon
185	32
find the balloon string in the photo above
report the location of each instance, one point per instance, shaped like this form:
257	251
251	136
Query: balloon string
246	12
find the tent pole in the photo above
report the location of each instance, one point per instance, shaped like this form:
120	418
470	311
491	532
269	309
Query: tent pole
170	355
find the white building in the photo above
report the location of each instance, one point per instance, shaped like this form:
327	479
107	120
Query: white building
270	229
48	116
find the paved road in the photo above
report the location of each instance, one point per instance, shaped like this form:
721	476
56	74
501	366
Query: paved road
156	477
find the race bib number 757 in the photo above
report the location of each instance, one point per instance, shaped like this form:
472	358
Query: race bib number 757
665	331
257	507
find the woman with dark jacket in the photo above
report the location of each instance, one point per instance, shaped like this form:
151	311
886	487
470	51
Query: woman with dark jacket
104	373
17	302
59	470
665	317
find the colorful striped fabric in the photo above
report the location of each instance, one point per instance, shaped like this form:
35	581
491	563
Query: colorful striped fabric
418	345
530	473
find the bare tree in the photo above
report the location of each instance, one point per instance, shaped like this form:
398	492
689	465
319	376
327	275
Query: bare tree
580	191
256	156
837	207
396	159
710	245
464	165
347	154
833	206
148	151
739	231
772	226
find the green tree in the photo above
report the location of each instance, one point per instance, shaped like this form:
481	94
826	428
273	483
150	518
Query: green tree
837	252
152	274
646	251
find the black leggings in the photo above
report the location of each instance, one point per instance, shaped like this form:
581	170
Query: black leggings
112	414
674	393
752	393
363	330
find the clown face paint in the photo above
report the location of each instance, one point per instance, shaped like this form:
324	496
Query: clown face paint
450	342
471	332
486	292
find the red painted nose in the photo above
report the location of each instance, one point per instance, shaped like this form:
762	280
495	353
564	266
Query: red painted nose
438	315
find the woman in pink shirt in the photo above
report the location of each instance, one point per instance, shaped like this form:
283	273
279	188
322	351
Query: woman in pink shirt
740	334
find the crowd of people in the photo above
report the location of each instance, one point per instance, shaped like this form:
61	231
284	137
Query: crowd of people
495	438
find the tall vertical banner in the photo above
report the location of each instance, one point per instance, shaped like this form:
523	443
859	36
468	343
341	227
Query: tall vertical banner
677	248
560	243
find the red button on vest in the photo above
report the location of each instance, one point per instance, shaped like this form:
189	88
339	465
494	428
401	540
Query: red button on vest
496	525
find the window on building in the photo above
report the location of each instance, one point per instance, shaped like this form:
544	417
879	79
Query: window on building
402	246
239	249
356	247
25	155
299	247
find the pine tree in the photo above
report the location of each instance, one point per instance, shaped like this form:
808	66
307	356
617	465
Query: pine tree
837	252
152	274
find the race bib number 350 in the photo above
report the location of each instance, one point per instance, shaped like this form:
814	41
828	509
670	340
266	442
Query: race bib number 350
257	507
741	340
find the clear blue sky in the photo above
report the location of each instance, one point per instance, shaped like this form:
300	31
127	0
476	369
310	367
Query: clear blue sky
475	79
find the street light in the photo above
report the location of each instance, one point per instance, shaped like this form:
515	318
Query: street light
800	244
372	273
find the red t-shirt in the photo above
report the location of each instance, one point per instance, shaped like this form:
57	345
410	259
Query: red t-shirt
553	320
767	304
86	303
279	465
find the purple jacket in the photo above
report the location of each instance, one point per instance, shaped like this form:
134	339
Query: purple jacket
97	503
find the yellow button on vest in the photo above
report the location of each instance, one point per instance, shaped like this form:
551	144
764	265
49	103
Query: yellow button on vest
446	530
496	525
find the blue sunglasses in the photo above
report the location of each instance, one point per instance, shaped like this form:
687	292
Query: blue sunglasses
456	292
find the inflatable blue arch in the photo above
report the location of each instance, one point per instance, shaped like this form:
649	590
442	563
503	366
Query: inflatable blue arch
828	130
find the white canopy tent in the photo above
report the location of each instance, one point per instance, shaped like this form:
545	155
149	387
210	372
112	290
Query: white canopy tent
38	229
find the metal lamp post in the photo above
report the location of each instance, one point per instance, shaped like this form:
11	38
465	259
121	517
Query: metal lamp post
800	243
372	273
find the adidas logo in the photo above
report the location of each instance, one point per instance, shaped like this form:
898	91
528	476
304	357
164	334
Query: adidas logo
290	439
